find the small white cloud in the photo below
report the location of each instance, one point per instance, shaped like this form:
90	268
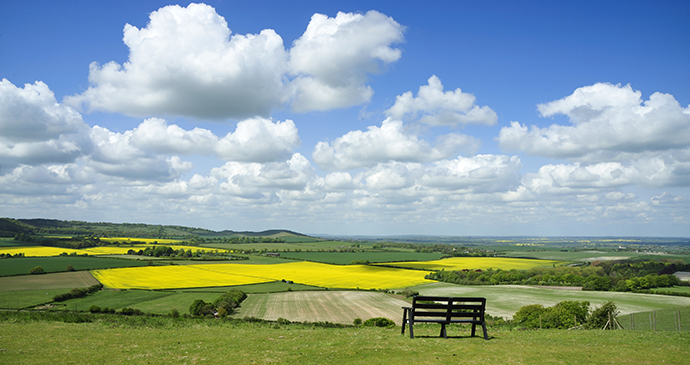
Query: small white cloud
259	140
433	106
334	56
390	142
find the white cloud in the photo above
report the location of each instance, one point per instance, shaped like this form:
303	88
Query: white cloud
433	106
390	142
35	129
185	62
609	123
156	135
260	181
259	140
334	56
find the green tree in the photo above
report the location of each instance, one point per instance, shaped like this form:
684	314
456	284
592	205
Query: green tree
36	270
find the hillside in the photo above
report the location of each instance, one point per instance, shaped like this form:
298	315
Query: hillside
9	227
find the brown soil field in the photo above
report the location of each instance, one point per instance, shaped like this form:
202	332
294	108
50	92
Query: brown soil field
320	306
62	280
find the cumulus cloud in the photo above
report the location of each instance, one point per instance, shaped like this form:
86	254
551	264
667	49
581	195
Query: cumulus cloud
35	129
259	140
334	56
390	142
256	180
609	123
433	106
185	62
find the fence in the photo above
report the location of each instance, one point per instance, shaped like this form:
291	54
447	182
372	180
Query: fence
676	319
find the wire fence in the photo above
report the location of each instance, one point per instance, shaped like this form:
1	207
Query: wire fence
675	320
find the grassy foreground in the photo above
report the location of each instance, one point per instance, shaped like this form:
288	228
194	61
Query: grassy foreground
164	341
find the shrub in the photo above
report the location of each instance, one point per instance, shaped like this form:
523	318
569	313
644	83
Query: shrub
94	309
70	268
130	311
174	313
407	292
379	322
357	322
282	320
36	270
601	316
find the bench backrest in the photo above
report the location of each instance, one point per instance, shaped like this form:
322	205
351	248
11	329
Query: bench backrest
448	307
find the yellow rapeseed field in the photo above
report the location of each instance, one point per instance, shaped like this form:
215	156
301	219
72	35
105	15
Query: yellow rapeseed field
40	251
309	273
473	263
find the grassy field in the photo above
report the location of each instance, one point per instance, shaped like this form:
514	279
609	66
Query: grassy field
21	266
483	263
344	258
670	319
505	300
215	342
72	279
320	306
304	245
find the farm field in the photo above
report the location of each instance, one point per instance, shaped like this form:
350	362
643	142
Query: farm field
308	273
28	342
321	306
304	245
42	251
472	263
21	266
68	280
344	258
18	299
505	300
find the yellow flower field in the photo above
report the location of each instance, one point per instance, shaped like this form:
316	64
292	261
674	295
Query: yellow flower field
309	273
470	263
40	251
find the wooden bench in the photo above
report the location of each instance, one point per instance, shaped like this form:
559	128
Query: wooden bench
445	310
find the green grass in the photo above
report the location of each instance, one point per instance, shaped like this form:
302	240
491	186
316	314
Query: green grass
313	245
344	258
17	299
670	319
114	299
164	341
505	300
675	289
21	266
10	242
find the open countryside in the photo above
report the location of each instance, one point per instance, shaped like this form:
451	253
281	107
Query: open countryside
345	282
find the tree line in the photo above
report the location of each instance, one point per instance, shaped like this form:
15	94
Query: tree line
599	275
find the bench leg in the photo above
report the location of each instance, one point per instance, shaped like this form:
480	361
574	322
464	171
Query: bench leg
411	327
486	335
443	331
404	321
473	330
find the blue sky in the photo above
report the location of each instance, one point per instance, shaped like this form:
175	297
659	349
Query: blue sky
376	117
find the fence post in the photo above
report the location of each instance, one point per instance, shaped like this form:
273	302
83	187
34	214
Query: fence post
651	327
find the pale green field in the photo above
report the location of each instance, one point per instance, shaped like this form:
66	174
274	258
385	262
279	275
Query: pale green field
321	306
505	300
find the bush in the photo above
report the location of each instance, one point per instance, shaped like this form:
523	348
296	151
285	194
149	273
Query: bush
601	316
407	292
357	322
36	270
94	309
70	268
379	322
131	311
174	313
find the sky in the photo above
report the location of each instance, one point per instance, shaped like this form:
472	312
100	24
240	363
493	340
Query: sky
462	118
